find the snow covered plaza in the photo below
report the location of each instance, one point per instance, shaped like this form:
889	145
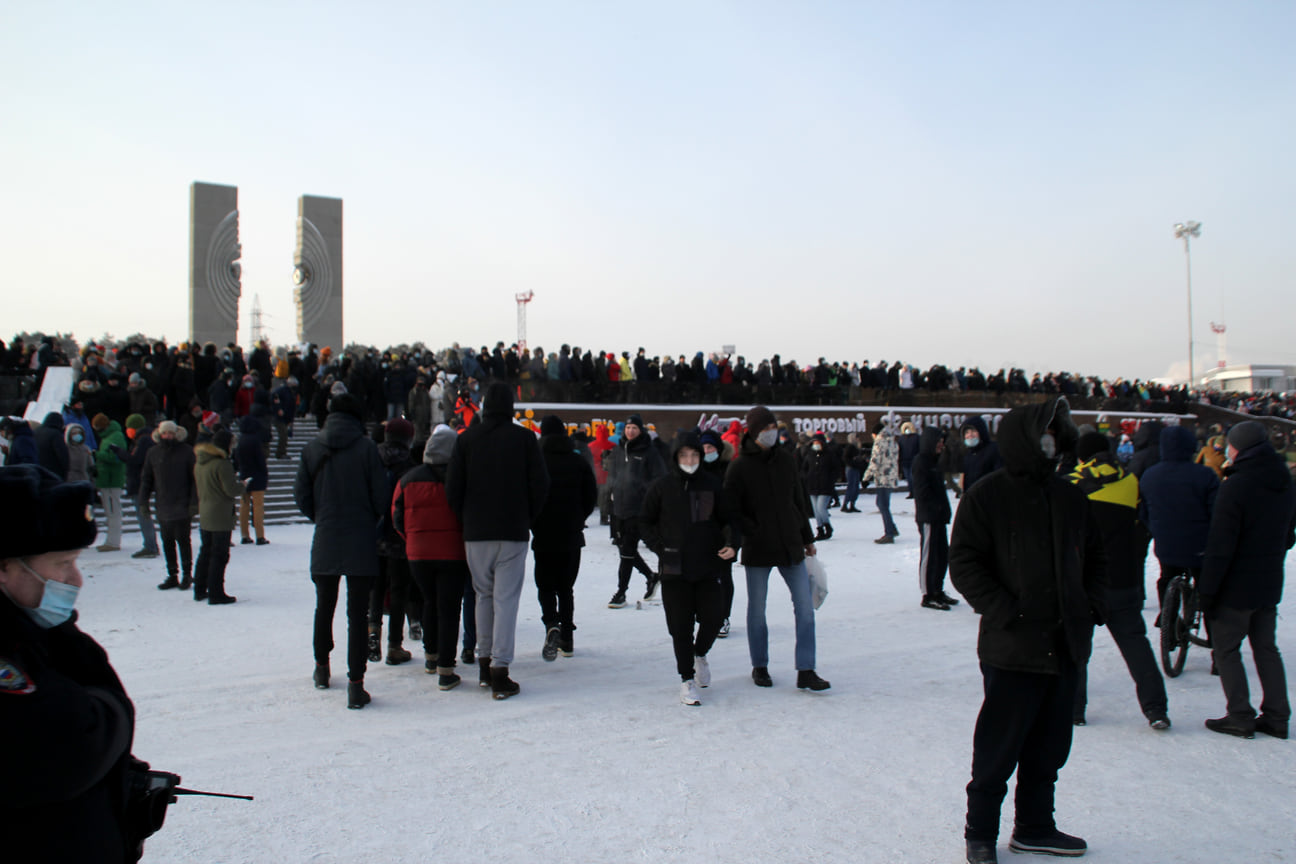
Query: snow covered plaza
597	761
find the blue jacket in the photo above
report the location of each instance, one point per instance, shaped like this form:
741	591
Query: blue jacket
1178	497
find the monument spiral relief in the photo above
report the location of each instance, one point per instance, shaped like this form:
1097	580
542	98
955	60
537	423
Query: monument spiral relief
224	272
312	275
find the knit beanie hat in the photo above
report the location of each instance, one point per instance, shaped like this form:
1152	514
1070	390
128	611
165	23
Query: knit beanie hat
713	438
100	422
1243	436
1091	444
440	445
210	419
134	381
758	418
347	404
337	389
552	425
636	420
222	439
135	421
398	430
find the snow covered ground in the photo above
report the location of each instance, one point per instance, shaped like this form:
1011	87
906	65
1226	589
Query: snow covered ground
596	760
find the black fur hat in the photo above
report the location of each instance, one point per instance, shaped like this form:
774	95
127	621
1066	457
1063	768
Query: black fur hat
345	403
41	513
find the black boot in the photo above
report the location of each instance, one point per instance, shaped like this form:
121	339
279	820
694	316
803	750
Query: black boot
356	695
375	643
483	672
321	676
171	582
808	680
827	532
502	686
186	582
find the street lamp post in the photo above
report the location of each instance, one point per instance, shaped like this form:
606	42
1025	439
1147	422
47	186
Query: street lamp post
1188	230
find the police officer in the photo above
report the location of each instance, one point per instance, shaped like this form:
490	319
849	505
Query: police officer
65	721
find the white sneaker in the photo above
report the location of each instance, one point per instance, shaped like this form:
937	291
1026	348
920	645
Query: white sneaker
701	671
689	694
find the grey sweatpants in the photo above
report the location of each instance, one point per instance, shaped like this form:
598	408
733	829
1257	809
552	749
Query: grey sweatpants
498	570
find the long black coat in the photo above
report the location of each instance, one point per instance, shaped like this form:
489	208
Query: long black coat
63	787
572	496
822	468
168	474
931	503
1026	551
496	481
686	519
1253	526
773	508
341	486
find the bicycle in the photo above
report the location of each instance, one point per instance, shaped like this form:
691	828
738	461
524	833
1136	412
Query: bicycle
1182	620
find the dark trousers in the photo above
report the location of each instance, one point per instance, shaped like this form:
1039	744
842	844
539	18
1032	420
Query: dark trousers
469	613
1258	626
394	577
852	487
933	558
1126	626
442	585
326	597
556	567
627	534
1024	725
727	585
686	602
213	555
175	534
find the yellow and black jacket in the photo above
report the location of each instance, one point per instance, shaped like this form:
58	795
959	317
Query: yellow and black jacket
1114	497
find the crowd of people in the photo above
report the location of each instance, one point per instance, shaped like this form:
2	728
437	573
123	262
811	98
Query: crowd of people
431	517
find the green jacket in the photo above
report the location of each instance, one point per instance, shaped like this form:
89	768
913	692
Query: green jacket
218	488
110	469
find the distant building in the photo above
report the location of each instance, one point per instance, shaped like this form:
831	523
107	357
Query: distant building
1251	379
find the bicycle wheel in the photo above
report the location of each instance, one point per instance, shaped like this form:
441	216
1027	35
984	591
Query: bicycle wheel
1174	629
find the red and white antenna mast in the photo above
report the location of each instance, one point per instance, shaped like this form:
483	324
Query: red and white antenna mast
1220	344
522	298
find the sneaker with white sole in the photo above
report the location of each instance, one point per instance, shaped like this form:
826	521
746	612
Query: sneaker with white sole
689	693
1049	843
701	671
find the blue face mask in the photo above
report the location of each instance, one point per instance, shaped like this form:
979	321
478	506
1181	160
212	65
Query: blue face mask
711	457
57	601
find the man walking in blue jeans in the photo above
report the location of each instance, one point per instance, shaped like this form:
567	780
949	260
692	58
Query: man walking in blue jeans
765	487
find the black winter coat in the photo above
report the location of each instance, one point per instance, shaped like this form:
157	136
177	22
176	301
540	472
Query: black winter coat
496	481
572	496
1113	497
341	486
984	458
135	459
1026	551
63	787
822	468
1253	526
250	454
686	519
1178	499
51	446
773	508
168	474
931	503
632	467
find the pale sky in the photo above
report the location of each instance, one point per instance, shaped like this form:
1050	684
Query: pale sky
973	184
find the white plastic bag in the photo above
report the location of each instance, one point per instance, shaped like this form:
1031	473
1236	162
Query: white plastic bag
818	580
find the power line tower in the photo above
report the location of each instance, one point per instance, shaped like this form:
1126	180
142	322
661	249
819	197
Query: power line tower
522	298
258	325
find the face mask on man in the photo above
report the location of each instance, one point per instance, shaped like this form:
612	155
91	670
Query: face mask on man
711	457
1049	445
57	601
816	447
688	469
972	441
768	438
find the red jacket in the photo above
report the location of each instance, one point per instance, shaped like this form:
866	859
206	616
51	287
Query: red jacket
598	448
423	518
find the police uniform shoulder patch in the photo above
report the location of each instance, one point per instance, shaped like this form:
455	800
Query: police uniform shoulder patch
13	680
